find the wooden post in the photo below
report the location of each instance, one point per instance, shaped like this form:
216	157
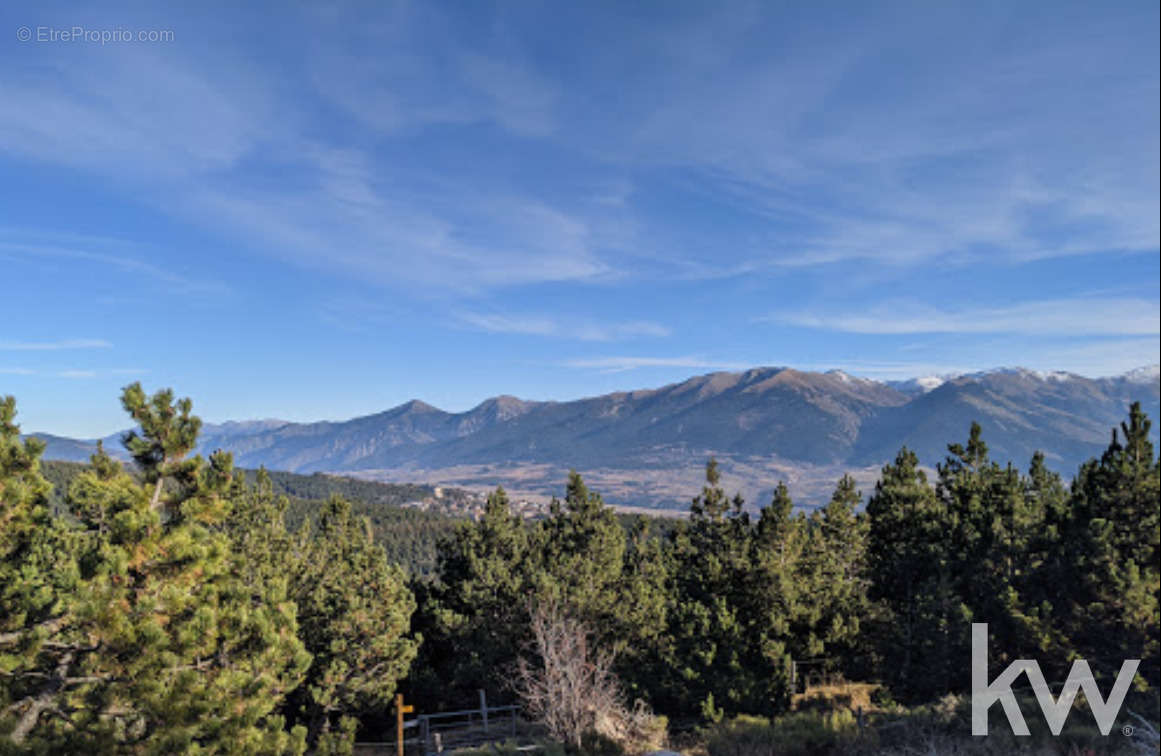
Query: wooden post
484	708
400	710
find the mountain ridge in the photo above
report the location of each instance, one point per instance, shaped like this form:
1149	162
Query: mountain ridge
765	418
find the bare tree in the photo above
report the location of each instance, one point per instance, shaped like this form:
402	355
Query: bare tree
569	686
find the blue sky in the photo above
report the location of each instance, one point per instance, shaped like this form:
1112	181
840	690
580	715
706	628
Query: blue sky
304	212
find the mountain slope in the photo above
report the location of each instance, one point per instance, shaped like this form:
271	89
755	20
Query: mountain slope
808	417
1068	417
762	420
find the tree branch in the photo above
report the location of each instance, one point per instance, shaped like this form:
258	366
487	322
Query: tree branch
51	626
41	703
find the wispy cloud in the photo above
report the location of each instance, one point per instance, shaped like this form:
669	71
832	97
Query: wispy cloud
540	325
1008	165
624	363
1068	317
76	373
851	157
52	346
337	210
454	241
528	325
620	331
101	252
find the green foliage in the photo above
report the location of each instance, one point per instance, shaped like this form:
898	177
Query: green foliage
475	615
580	549
837	559
909	579
940	727
157	645
1057	575
1110	537
709	654
354	611
352	605
183	606
408	535
805	734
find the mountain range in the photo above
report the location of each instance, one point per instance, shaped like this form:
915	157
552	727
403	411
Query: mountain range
647	447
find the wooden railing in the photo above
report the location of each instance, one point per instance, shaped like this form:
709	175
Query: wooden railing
431	734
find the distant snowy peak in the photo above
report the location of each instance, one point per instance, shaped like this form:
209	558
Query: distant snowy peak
929	382
925	384
1023	372
1147	374
846	377
922	384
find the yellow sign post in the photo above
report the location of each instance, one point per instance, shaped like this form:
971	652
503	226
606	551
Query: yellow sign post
400	710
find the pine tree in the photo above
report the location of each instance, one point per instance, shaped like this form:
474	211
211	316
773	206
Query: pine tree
906	559
266	552
782	613
38	574
582	548
1044	576
645	599
475	617
712	656
837	553
989	528
354	613
160	647
609	580
1111	538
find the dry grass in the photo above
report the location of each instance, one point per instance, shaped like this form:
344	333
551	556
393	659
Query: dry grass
853	696
824	723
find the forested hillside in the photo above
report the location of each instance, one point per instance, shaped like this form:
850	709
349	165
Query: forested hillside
178	609
409	535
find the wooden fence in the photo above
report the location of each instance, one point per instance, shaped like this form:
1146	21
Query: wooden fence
432	734
469	728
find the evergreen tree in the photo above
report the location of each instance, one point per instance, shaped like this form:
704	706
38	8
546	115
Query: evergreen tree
582	549
354	611
712	655
1045	579
905	557
1111	538
475	616
989	526
38	575
266	552
645	600
837	556
160	647
784	617
610	580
